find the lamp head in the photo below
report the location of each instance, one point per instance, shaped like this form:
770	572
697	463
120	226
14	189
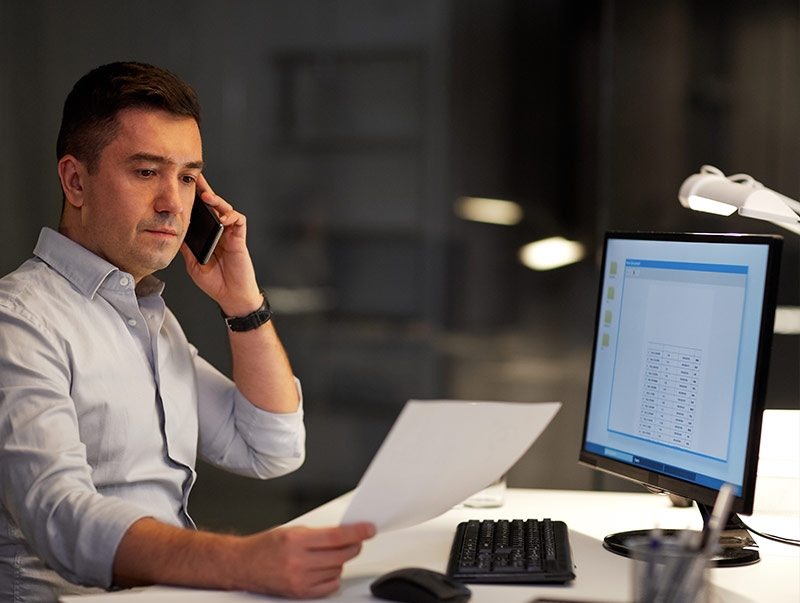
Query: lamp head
703	191
711	191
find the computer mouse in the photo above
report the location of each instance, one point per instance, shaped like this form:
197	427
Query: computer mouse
418	585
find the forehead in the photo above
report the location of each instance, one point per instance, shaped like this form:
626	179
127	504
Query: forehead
156	133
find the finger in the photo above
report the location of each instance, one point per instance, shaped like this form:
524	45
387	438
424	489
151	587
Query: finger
333	558
341	536
323	589
356	532
211	198
203	185
227	215
323	583
309	582
218	203
320	576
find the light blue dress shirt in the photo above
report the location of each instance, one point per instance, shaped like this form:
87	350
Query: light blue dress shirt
104	406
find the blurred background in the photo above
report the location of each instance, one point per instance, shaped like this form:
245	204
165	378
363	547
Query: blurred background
348	130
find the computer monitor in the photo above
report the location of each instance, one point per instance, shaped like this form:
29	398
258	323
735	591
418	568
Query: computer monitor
679	369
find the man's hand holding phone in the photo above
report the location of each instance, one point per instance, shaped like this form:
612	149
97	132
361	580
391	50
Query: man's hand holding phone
224	272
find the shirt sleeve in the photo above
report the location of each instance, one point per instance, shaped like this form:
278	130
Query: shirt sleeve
46	483
238	436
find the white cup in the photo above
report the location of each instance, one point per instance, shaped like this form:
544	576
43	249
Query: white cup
493	495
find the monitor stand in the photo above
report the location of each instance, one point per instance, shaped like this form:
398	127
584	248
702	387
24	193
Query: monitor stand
737	546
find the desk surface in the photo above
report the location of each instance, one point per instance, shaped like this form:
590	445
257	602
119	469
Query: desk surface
601	576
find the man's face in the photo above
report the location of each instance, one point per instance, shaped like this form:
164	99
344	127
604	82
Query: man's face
137	202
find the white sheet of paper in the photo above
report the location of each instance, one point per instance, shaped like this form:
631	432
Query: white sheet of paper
438	453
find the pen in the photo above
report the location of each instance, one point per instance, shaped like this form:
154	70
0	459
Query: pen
709	539
653	550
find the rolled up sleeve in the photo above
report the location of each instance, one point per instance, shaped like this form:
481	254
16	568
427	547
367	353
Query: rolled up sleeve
238	436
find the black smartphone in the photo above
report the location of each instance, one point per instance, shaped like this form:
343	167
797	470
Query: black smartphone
204	231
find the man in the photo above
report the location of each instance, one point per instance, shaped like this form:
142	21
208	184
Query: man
103	402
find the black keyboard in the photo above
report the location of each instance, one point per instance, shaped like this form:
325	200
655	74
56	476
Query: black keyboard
515	551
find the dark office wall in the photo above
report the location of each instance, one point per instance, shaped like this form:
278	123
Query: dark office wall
345	129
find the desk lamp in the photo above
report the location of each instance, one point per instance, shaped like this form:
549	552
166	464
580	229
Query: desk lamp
711	191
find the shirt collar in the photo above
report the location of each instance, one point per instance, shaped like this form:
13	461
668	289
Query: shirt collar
85	270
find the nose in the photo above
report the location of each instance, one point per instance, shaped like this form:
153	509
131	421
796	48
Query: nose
169	198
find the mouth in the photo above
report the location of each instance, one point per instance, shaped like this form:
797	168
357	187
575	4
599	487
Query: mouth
165	232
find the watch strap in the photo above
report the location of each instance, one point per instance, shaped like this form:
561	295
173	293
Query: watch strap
253	320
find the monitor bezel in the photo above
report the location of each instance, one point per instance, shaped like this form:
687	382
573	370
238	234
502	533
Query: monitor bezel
743	503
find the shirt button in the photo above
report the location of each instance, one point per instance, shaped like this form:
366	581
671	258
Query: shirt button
132	322
124	281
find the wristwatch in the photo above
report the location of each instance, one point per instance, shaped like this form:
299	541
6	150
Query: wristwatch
253	320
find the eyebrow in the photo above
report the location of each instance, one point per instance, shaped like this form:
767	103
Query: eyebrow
198	165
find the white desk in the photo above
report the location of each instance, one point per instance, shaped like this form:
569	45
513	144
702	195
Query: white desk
601	576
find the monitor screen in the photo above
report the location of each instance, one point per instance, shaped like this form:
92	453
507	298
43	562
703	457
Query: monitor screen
679	368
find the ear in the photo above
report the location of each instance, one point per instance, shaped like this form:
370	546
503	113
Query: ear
72	172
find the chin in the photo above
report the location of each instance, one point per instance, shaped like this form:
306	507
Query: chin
152	264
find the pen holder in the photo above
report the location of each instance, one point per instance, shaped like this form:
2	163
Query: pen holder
670	571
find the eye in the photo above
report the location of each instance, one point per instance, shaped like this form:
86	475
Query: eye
188	179
146	172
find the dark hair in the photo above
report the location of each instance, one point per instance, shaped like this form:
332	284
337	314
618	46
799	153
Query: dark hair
89	122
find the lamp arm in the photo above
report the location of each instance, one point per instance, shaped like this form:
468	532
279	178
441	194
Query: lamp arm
748	180
793	205
795	228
